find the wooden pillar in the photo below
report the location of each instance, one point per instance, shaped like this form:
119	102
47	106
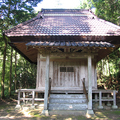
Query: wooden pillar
45	111
38	70
90	111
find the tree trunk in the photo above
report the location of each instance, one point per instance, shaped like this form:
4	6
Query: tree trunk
3	67
110	80
10	80
15	71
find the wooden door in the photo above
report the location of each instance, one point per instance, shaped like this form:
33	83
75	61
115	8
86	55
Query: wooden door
66	75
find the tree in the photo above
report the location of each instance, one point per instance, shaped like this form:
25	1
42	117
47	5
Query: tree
13	12
108	71
10	79
3	67
108	10
15	80
16	11
86	4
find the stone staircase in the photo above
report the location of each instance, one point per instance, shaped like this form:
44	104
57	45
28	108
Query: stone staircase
77	102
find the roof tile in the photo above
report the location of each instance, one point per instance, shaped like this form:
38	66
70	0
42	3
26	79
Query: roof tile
70	43
77	22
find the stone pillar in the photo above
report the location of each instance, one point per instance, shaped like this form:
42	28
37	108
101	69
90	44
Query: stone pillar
18	105
89	110
24	97
33	99
100	100
114	100
45	111
96	97
108	103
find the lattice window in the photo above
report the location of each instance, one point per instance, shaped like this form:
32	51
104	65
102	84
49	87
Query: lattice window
62	69
66	69
70	69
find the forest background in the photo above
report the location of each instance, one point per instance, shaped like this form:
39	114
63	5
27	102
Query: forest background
16	72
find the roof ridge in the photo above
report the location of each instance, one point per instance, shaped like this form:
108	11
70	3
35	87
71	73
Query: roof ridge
63	10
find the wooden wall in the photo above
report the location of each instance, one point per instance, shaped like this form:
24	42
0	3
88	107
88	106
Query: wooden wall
65	80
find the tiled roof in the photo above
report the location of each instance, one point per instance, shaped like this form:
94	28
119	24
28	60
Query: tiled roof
65	23
69	43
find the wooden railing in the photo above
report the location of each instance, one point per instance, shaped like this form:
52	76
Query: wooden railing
99	98
84	89
29	94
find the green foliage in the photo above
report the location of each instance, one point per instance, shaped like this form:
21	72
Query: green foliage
26	74
108	10
16	11
86	4
108	71
13	12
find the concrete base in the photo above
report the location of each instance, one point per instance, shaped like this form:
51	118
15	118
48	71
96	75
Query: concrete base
100	107
45	112
114	107
89	113
17	107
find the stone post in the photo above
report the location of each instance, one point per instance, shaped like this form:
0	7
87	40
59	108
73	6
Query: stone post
114	100
108	103
24	97
100	100
18	105
33	99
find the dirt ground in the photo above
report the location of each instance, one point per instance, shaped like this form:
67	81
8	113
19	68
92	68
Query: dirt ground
8	112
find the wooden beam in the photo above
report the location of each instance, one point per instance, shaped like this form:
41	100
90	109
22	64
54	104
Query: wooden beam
73	54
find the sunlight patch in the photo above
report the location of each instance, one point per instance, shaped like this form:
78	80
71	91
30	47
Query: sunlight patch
68	119
27	114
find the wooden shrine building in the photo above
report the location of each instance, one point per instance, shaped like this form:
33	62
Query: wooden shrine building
66	44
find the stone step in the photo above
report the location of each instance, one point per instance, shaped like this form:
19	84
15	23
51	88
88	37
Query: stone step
67	100
67	96
67	112
58	106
